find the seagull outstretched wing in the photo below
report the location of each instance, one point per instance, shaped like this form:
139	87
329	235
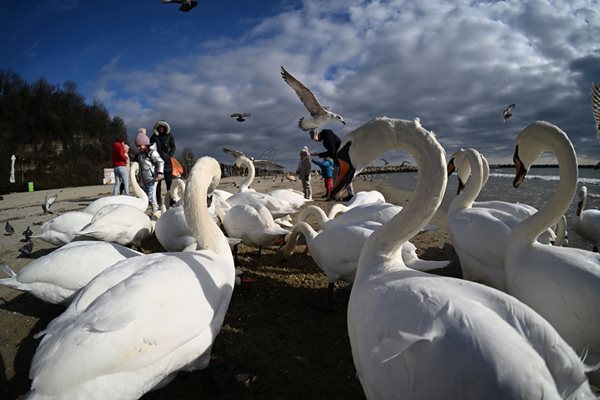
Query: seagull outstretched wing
596	106
233	153
306	96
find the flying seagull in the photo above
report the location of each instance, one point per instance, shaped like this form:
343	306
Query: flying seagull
319	114
8	229
27	233
596	106
186	5
385	161
507	113
241	117
26	249
48	203
234	153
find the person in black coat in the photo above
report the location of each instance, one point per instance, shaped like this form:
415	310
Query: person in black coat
332	143
165	144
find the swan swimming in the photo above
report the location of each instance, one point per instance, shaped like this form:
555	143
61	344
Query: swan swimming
144	319
560	283
426	336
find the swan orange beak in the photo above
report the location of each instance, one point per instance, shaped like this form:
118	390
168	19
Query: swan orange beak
520	170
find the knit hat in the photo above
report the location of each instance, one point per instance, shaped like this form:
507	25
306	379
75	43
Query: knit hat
142	130
142	139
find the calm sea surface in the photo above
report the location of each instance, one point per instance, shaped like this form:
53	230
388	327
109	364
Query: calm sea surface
539	185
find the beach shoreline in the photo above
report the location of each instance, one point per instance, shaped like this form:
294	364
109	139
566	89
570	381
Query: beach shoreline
273	326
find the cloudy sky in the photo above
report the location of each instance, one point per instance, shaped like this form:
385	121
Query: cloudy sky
454	64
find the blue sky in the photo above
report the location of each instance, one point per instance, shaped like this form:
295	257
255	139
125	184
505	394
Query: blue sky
454	64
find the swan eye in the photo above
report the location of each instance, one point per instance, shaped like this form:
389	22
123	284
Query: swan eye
451	167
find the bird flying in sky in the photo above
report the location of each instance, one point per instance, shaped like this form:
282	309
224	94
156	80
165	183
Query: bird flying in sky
507	113
319	114
241	117
596	106
186	5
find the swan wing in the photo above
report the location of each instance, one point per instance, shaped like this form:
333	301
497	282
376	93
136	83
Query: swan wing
131	327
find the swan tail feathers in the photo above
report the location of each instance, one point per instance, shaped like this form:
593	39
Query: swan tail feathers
8	271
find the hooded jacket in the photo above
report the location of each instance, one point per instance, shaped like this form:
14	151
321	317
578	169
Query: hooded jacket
165	143
151	164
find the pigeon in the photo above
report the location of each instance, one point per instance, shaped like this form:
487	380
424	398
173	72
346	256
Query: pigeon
319	114
186	5
27	233
596	106
26	249
241	117
8	229
48	203
507	113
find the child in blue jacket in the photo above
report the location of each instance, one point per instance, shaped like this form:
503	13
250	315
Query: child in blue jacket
327	173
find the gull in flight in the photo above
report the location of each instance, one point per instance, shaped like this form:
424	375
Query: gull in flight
48	203
241	117
319	114
386	162
186	5
596	106
507	113
234	153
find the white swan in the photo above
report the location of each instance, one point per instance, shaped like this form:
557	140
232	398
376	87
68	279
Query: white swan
57	276
140	202
560	283
479	234
122	224
586	222
141	321
253	224
425	336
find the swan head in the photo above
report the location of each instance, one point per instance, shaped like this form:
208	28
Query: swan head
459	163
581	196
530	144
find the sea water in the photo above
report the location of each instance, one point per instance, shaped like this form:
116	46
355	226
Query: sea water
539	185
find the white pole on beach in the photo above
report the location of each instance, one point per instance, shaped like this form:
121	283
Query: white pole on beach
12	168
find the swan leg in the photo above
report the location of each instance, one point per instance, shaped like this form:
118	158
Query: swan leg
328	306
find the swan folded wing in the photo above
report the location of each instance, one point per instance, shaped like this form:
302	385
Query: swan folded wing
433	321
130	326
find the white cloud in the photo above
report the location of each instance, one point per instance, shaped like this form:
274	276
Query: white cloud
455	64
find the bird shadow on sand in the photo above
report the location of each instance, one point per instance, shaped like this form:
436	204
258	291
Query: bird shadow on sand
27	304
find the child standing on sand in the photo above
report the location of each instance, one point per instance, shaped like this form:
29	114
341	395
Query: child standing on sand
151	166
327	174
303	172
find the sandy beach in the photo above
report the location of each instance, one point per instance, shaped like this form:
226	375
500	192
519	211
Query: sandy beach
273	327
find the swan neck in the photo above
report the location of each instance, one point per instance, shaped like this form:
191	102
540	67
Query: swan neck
466	198
245	185
137	189
315	212
527	231
386	241
201	224
298	229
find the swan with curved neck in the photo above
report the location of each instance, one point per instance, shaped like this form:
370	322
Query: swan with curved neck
560	283
407	328
140	202
138	323
586	222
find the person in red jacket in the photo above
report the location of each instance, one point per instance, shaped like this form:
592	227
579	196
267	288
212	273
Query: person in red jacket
119	162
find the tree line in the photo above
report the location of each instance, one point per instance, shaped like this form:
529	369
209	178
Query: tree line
58	139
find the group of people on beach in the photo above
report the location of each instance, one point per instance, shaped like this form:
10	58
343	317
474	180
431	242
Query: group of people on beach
332	143
154	158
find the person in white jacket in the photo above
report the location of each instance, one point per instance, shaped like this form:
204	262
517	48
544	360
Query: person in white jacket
151	166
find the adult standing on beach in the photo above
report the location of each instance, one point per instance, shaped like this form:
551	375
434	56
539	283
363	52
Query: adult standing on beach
119	163
165	144
332	143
